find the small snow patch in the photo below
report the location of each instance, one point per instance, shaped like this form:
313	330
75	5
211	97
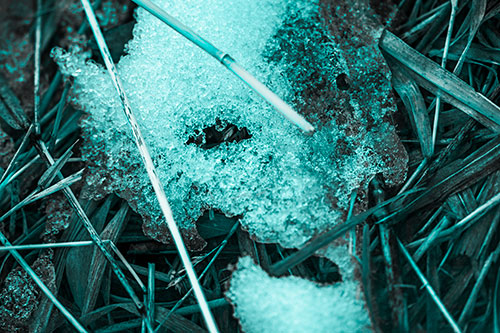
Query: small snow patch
291	304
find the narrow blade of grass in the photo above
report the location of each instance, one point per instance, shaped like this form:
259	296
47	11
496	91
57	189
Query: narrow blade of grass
471	301
496	306
478	10
12	162
479	107
72	320
47	245
417	111
458	176
225	59
82	216
429	289
429	239
151	292
150	168
454	7
326	238
221	247
51	173
98	263
10	107
365	267
60	185
36	76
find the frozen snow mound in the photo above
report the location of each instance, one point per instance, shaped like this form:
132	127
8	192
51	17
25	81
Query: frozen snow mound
287	187
292	304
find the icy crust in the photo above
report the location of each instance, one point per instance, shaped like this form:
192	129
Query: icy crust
292	304
287	186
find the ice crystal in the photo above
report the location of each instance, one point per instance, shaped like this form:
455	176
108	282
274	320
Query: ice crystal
287	186
292	304
20	295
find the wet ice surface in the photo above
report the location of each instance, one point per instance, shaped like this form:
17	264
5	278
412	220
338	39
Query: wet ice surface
288	187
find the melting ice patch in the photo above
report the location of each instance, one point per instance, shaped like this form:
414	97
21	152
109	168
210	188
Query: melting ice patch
288	187
292	304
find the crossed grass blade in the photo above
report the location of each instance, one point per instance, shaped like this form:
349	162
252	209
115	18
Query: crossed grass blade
151	170
42	285
463	96
429	288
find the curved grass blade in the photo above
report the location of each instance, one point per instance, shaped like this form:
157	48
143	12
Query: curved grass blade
10	107
12	162
415	105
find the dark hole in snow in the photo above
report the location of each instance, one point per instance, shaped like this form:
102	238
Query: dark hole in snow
342	81
212	137
322	270
214	223
317	269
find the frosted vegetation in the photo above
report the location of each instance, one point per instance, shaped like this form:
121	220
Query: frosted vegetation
287	186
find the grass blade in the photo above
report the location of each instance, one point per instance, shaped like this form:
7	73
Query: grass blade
82	216
415	105
454	5
10	107
478	10
98	263
225	59
36	76
479	107
151	170
429	289
496	312
326	238
61	185
151	292
51	173
12	162
471	301
42	285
